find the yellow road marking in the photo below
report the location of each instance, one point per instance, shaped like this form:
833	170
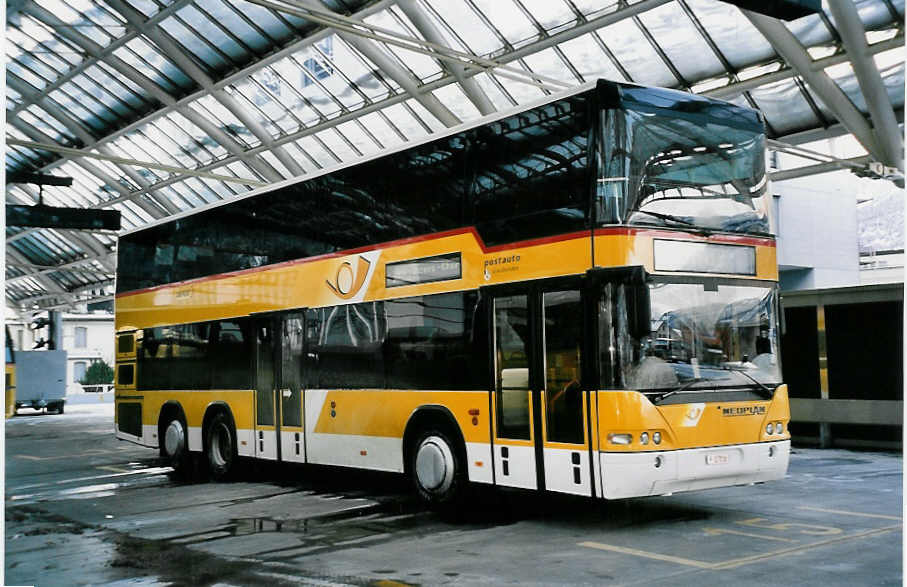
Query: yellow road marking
653	555
732	564
739	562
845	513
812	529
717	531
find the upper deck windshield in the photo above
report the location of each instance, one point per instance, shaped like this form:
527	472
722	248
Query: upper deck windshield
668	160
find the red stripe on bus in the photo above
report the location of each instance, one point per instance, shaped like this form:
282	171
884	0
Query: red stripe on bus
617	230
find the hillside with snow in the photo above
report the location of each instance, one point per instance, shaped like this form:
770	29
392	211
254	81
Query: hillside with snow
880	223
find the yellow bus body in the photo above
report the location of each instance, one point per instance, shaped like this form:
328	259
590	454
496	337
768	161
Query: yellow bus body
365	428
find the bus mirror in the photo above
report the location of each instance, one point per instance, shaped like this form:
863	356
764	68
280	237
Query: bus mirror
639	310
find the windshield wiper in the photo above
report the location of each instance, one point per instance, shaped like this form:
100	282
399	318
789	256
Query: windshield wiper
683	387
770	393
667	217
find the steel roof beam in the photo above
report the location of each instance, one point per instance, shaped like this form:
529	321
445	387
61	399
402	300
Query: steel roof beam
40	137
47	282
96	51
71	266
881	111
790	48
55	148
391	69
723	92
90	61
174	52
591	25
70	297
148	85
818	168
786	73
86	242
563	36
471	88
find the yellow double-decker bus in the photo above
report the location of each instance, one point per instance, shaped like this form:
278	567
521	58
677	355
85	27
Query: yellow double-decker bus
579	297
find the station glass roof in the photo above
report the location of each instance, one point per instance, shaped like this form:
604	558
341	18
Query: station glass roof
261	91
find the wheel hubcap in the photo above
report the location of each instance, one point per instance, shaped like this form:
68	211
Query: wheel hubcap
434	465
220	446
174	438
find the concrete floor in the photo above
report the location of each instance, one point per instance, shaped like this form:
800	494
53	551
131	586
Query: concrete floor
83	508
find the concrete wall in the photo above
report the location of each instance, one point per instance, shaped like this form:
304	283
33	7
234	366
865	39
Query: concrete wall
817	234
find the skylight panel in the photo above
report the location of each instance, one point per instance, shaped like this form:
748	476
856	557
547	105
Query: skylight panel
552	15
236	24
587	56
636	54
259	104
69	13
363	143
681	42
468	24
548	63
207	54
422	66
453	97
207	29
508	20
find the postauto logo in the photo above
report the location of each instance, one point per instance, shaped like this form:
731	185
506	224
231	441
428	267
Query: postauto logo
352	276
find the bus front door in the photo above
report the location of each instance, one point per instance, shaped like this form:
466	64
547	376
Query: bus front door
541	436
279	433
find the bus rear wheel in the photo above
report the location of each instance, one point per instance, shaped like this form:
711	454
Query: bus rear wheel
436	468
175	444
220	446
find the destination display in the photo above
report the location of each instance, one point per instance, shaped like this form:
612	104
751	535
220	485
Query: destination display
671	255
424	270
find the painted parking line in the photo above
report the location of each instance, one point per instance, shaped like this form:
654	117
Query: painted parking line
717	531
739	562
645	554
846	513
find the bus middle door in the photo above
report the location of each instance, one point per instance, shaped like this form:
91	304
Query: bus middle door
541	438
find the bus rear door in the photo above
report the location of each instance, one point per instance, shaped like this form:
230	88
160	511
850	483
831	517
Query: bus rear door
279	429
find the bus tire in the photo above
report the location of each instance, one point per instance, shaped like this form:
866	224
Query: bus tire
437	469
175	445
220	446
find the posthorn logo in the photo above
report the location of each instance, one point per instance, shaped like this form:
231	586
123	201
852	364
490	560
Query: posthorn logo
349	280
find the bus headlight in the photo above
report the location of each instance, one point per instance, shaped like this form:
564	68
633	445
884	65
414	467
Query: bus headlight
769	427
779	427
656	437
644	438
620	438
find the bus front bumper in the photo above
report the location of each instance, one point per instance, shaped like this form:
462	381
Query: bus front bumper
657	473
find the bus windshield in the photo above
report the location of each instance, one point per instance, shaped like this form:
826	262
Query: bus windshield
701	336
700	171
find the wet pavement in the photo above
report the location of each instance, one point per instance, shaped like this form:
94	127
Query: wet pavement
85	509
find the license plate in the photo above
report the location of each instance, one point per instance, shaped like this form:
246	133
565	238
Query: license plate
716	459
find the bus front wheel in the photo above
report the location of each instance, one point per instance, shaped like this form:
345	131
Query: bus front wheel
437	469
220	446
